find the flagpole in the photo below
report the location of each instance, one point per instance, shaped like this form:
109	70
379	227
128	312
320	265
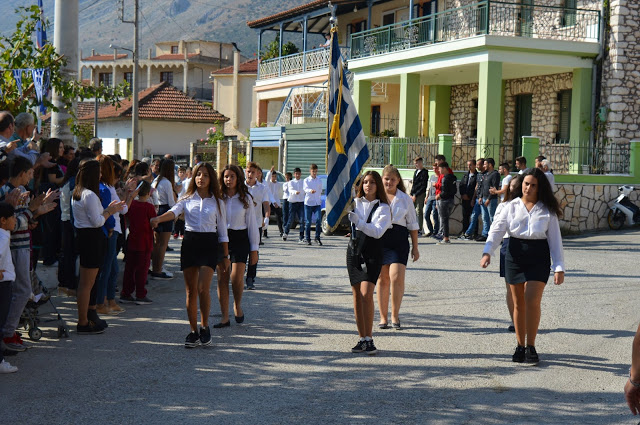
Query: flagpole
333	21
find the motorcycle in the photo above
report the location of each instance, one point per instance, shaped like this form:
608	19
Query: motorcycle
623	211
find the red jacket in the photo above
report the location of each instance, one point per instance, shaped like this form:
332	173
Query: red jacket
438	184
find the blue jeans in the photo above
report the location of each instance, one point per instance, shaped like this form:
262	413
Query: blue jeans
487	215
296	210
108	276
431	208
285	212
308	213
473	223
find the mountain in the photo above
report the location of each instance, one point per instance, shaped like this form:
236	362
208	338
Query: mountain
162	20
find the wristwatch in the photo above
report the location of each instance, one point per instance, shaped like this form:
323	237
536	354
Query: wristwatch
228	257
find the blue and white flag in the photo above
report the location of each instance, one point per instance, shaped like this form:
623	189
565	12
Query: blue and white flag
347	151
41	33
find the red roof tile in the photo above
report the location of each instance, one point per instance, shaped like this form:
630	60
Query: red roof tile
179	56
82	109
248	67
105	57
161	102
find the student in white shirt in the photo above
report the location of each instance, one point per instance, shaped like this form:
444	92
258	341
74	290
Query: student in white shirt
88	218
312	186
205	235
7	272
285	200
296	205
243	241
370	219
503	169
276	192
396	247
534	231
260	195
164	199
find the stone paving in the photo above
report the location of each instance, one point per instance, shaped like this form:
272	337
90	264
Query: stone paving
290	362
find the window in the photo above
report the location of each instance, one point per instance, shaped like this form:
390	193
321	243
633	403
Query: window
128	77
174	50
166	76
564	125
569	18
105	79
389	18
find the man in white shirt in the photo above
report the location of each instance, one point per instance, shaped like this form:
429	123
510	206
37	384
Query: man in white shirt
506	180
312	203
275	189
545	166
260	195
521	164
296	204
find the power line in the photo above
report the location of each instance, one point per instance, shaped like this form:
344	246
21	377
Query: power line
147	22
88	6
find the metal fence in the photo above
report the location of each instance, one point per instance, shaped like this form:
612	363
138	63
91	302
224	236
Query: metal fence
611	158
468	150
400	151
311	60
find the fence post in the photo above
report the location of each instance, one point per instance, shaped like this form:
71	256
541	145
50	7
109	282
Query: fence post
192	152
634	159
445	146
530	149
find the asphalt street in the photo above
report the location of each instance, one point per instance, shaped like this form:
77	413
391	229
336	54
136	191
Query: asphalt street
290	362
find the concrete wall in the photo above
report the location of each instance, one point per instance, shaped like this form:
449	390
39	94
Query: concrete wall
222	102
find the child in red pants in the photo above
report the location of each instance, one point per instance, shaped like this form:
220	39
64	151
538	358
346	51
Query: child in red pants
139	246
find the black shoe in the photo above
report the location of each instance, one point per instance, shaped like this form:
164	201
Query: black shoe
309	242
370	349
512	328
519	355
239	319
205	336
360	347
127	299
261	243
92	315
169	249
531	356
481	239
284	237
222	325
318	242
428	234
143	301
265	235
396	326
160	276
89	329
192	340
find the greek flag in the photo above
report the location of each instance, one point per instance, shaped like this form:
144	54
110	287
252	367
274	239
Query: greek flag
347	150
41	33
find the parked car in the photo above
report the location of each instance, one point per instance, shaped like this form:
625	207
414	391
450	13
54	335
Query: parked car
344	223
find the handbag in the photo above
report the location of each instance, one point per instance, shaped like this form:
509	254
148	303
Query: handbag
358	239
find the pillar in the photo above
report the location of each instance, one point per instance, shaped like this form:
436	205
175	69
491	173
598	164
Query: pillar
445	147
425	112
489	109
362	100
185	77
530	149
113	76
409	105
634	159
263	106
439	110
148	76
580	118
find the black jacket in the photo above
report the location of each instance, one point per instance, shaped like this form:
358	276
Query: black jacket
449	189
468	184
492	179
420	180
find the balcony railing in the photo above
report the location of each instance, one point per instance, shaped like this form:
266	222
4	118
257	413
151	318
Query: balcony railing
311	60
480	18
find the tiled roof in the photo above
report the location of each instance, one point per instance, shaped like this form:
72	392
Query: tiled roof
178	56
248	67
82	109
161	102
105	57
293	12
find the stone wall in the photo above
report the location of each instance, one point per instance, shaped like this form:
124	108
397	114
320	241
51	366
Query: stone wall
463	114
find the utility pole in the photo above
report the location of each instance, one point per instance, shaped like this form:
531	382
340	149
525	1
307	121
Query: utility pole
65	41
134	89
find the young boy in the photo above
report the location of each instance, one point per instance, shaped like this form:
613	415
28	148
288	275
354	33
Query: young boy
312	203
260	195
140	245
296	204
7	272
275	189
285	199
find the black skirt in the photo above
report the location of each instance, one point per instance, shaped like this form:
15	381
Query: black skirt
365	268
91	243
167	226
395	242
527	260
199	249
503	256
239	245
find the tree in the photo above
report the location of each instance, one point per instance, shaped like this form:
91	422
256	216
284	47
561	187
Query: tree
19	51
273	49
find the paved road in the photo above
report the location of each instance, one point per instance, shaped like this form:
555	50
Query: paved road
290	362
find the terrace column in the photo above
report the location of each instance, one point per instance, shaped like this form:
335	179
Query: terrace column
439	109
304	43
362	100
148	75
489	109
280	51
409	105
580	118
113	75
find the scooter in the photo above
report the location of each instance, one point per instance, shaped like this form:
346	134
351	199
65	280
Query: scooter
623	211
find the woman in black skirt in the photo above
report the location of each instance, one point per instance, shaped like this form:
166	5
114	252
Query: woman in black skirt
396	247
206	231
88	218
370	219
244	238
534	240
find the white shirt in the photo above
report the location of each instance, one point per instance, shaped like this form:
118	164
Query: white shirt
6	263
184	185
296	186
517	222
163	195
499	208
240	218
403	213
431	187
505	183
65	203
275	191
260	194
552	180
285	190
87	212
203	215
309	184
380	222
115	197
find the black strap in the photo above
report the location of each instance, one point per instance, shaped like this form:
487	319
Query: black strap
353	226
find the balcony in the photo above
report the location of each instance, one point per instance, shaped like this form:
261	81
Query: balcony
298	63
481	18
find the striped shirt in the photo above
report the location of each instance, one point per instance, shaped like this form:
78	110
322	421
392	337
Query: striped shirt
21	235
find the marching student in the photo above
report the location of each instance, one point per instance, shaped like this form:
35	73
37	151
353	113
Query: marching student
275	189
396	247
296	205
205	234
534	237
312	186
260	195
285	200
89	217
370	218
164	198
243	241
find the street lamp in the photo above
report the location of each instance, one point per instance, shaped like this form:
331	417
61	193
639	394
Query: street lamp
134	90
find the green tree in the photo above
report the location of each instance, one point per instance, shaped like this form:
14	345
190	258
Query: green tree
273	49
19	51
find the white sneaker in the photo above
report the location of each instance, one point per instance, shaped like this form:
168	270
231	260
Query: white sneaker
5	367
167	272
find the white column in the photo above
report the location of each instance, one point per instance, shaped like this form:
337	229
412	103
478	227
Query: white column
185	77
148	75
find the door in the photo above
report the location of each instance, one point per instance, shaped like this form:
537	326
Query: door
375	120
523	122
526	18
428	27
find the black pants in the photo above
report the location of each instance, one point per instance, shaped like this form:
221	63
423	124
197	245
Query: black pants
52	236
178	228
466	214
5	303
278	213
67	277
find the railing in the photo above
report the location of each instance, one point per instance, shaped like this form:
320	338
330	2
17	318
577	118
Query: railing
613	158
400	151
468	150
484	17
304	104
311	60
